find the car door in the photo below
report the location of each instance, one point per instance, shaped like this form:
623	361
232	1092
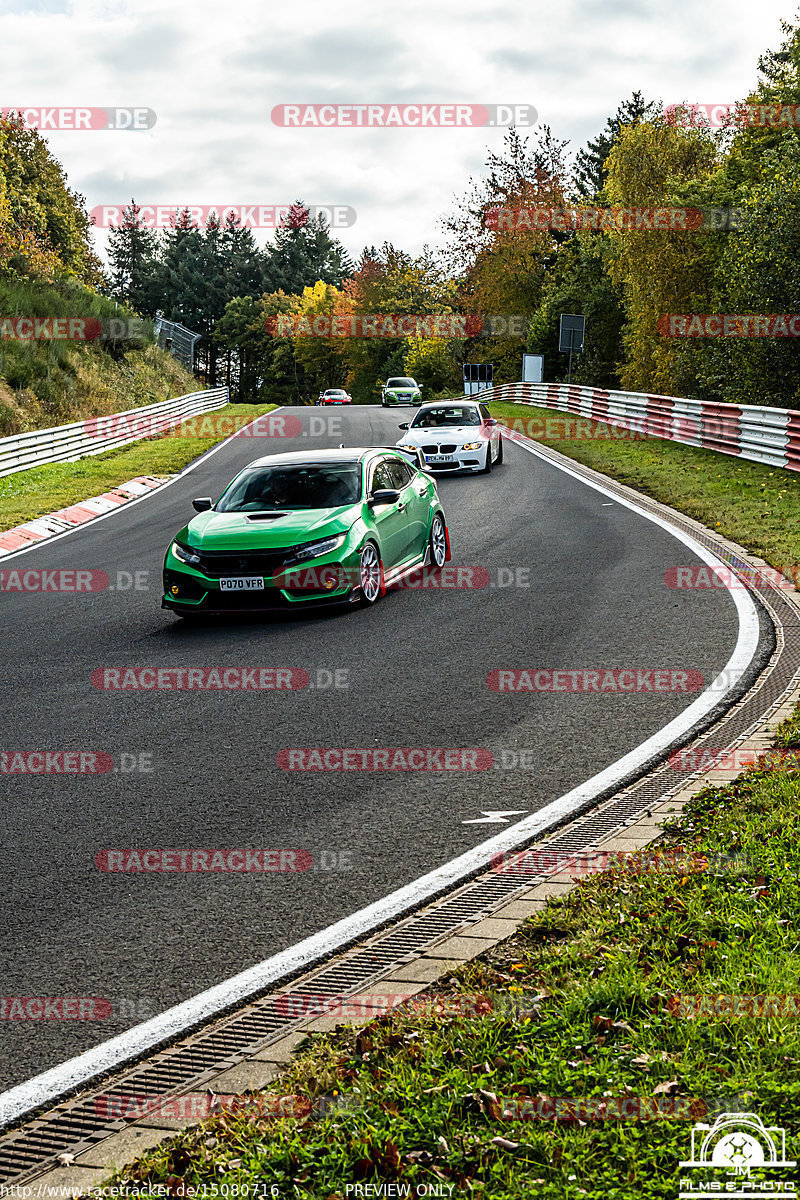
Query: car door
390	519
413	488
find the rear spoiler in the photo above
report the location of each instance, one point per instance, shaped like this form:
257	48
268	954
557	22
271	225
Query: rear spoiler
413	452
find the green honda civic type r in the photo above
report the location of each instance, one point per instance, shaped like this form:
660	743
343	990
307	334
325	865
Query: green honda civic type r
307	529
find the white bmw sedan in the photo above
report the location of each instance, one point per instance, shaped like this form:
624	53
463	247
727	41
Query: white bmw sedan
455	435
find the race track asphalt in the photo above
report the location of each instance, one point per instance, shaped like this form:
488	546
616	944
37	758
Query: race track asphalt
416	669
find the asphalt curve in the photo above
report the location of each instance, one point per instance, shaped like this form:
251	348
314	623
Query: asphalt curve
416	667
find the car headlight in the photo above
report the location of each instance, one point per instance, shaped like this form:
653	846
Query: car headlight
315	549
186	554
472	446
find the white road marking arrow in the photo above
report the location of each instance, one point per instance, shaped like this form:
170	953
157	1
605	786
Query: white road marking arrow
496	816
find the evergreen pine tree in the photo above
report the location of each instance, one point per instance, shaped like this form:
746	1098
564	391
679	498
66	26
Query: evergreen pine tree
133	253
590	173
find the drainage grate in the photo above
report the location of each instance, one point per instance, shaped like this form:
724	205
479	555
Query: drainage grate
193	1062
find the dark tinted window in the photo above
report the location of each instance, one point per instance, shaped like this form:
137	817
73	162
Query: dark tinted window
446	416
264	489
400	472
381	478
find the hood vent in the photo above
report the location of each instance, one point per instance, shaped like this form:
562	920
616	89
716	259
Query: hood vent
266	516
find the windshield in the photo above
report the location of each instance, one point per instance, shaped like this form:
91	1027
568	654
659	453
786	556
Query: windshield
396	383
435	418
335	392
264	489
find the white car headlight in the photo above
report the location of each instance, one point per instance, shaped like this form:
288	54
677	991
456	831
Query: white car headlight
315	549
186	554
472	445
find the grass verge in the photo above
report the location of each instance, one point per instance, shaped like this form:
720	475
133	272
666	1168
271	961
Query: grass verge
45	383
462	1105
755	505
30	494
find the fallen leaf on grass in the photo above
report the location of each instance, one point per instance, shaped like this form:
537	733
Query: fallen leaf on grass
667	1089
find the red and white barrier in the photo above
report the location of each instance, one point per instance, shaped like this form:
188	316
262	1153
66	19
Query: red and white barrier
754	432
42	528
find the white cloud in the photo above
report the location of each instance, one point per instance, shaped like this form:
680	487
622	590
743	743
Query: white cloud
213	72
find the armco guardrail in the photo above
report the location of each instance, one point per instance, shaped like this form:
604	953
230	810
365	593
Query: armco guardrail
95	435
765	435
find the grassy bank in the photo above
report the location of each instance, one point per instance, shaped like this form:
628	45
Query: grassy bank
755	505
443	1100
33	493
45	383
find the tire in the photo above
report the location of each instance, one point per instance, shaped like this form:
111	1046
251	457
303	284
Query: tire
437	541
499	452
370	574
487	470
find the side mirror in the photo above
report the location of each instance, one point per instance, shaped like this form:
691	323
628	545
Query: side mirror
383	496
405	425
490	421
202	504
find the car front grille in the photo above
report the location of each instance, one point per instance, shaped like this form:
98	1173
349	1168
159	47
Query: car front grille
448	449
445	449
217	563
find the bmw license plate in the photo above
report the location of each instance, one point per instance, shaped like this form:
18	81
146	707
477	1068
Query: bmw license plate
440	458
243	583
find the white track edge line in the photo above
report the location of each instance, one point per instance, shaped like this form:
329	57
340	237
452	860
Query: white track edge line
76	1072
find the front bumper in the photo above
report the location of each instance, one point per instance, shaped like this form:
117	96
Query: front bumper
316	584
468	461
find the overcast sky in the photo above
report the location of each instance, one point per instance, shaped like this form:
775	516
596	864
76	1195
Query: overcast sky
214	69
